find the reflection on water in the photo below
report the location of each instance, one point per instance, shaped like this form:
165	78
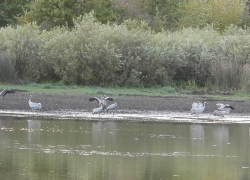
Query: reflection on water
33	130
102	132
67	149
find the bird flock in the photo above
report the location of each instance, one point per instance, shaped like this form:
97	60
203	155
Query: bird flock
197	107
103	106
221	111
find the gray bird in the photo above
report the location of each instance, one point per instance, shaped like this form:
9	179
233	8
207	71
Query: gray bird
222	109
221	106
6	91
112	107
102	101
98	110
198	108
33	105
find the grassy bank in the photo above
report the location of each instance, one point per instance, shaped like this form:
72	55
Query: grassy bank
93	90
118	91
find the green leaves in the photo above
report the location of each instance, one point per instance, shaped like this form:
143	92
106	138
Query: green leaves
157	15
49	13
93	53
7	68
220	14
11	10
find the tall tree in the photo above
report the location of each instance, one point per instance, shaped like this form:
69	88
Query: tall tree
10	10
220	14
163	13
50	13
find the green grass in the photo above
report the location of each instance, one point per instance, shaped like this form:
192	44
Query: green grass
50	88
59	88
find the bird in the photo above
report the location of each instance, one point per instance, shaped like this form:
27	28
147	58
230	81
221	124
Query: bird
197	108
102	101
6	91
222	109
112	107
221	106
221	113
33	105
99	109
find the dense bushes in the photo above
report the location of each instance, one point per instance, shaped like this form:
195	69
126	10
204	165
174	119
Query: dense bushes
97	54
7	69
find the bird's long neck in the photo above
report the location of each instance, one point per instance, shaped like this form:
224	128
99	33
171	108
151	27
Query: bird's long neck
104	103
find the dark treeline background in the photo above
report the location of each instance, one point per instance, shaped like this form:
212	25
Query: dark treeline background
159	14
201	43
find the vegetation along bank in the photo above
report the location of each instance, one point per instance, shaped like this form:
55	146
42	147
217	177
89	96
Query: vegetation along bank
91	51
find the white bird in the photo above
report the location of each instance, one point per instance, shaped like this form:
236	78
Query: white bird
6	91
98	110
33	105
102	101
197	108
222	109
112	107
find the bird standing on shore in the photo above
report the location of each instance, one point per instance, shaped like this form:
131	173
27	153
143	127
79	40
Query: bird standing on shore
33	105
222	109
98	110
102	101
197	108
112	107
6	91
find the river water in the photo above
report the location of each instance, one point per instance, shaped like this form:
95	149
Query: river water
95	150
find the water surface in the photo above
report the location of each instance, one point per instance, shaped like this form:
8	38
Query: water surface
92	150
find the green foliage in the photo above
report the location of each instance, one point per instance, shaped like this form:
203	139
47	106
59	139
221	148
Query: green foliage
98	54
7	69
220	14
169	89
244	78
26	46
53	13
164	14
10	10
158	14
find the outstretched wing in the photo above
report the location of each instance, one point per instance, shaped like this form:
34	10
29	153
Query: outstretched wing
95	99
220	105
109	98
194	105
6	91
200	105
224	106
228	106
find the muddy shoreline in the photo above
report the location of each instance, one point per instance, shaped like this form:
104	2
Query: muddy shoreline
130	108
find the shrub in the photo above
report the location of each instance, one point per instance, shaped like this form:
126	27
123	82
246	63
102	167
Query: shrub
92	53
244	78
7	69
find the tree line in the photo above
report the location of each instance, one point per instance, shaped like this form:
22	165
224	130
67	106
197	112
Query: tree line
123	42
158	14
99	54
